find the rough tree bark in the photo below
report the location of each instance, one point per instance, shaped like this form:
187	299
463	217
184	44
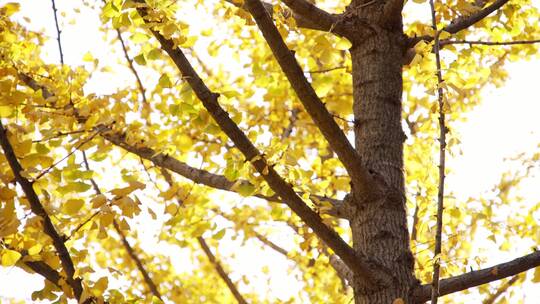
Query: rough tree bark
379	224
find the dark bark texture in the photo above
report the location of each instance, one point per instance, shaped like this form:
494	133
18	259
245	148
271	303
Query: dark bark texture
379	225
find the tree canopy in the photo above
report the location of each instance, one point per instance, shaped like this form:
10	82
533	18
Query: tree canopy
236	140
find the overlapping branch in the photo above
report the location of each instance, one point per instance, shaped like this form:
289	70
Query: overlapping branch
479	277
45	271
38	209
494	43
131	252
304	21
209	99
361	179
129	249
465	22
308	11
462	23
222	273
132	66
168	162
217	265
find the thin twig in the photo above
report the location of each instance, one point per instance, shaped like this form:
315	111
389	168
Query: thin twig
131	252
40	175
76	229
478	42
39	210
292	121
442	155
326	70
217	265
130	63
131	66
502	289
263	239
58	31
414	231
59	134
479	277
222	273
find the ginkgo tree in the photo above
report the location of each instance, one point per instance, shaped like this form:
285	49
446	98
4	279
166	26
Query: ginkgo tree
239	125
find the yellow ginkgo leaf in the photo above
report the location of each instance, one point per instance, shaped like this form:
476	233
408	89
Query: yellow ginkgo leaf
72	206
35	249
100	286
98	200
10	257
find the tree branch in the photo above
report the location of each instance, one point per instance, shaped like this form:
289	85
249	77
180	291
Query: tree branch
165	161
222	273
263	239
131	66
283	189
479	277
361	179
301	21
442	158
343	272
131	252
38	209
502	289
58	31
462	23
313	14
45	271
477	42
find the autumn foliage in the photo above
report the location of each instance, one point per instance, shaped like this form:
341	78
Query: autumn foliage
233	140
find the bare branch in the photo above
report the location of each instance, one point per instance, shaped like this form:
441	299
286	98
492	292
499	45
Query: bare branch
222	273
263	239
38	209
414	232
170	163
479	277
58	31
361	179
442	157
283	189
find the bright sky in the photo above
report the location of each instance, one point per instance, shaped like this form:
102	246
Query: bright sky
503	126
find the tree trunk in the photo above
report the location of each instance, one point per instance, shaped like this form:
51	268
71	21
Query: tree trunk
379	226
